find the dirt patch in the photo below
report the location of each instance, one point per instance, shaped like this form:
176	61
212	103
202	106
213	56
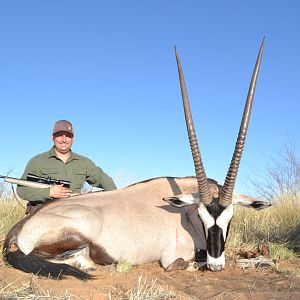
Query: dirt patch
281	282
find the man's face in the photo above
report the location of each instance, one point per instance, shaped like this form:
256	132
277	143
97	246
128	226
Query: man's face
63	141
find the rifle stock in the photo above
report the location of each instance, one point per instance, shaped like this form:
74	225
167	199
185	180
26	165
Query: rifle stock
32	184
24	182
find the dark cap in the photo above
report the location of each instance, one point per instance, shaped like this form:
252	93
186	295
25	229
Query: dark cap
63	125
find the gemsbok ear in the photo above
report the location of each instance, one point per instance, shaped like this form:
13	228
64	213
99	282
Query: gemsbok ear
183	200
250	202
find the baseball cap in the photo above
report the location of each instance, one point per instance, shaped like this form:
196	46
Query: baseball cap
63	125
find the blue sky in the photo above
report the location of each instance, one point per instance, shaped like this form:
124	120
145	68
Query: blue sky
109	67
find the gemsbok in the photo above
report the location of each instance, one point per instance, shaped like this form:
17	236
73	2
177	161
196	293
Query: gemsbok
168	219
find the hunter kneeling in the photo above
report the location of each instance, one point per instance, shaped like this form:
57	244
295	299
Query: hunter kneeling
61	168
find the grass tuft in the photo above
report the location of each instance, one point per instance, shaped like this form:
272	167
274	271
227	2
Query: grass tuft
281	251
145	290
29	291
124	266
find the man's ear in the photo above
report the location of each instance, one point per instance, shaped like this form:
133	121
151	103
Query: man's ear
250	202
183	200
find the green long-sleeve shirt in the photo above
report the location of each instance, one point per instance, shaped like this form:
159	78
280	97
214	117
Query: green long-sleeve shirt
77	169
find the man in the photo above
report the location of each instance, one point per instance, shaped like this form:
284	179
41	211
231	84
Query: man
61	163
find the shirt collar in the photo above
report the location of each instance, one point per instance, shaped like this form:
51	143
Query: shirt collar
73	156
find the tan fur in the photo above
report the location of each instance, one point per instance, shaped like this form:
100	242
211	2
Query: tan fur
133	223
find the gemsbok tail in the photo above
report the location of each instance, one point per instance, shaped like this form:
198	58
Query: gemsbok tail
34	264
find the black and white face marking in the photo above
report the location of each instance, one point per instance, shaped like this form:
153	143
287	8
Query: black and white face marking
215	218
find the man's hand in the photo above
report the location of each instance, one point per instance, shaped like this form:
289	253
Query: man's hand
59	191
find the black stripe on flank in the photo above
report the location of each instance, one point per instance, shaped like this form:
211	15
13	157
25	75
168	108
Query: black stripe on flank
70	239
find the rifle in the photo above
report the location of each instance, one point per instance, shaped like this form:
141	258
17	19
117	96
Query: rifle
36	181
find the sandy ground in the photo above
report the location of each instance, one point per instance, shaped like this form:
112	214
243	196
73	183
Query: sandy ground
280	282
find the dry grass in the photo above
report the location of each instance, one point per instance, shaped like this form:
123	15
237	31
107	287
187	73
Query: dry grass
143	290
28	291
11	211
274	226
149	290
124	266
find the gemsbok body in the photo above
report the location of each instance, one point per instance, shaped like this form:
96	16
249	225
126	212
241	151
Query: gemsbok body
167	219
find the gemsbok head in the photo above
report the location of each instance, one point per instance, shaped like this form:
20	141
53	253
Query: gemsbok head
215	202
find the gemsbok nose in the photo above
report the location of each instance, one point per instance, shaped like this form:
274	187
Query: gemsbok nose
214	268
